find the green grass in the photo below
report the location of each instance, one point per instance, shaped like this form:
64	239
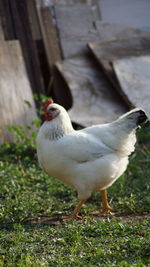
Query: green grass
26	193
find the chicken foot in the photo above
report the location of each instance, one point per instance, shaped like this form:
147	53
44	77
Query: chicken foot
106	207
74	214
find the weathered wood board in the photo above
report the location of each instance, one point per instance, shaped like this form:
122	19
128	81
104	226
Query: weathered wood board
107	52
111	32
93	4
6	20
34	21
133	13
16	25
50	36
133	74
94	100
59	91
76	29
14	89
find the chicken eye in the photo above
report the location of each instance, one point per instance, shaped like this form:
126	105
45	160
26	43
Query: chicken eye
52	109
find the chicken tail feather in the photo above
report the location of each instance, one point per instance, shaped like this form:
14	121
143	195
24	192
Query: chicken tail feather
142	118
133	118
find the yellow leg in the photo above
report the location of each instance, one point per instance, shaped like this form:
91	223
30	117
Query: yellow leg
74	214
106	206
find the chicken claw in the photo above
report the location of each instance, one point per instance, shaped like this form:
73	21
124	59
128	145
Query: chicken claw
106	210
102	212
74	214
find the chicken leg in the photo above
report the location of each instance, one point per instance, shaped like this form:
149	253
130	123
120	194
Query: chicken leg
106	207
74	214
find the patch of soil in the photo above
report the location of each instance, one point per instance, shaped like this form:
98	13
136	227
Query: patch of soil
136	218
58	220
54	221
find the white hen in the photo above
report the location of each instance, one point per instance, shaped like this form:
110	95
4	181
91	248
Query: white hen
90	159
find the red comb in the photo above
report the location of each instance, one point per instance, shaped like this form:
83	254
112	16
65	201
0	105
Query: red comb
48	102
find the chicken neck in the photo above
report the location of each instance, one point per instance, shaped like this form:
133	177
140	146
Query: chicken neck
57	128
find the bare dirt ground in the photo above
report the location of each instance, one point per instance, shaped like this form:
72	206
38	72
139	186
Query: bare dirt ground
55	221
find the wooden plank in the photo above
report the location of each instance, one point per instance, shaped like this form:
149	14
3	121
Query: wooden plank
45	3
50	36
79	31
14	89
94	100
59	90
49	3
133	13
6	20
107	52
93	4
111	31
116	32
34	21
24	35
133	74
